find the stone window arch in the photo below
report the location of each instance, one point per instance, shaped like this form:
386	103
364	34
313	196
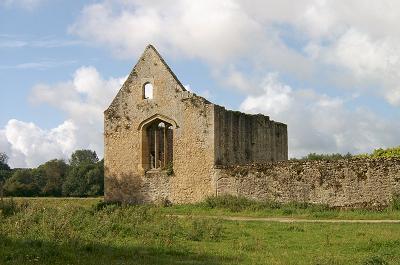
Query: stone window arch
157	143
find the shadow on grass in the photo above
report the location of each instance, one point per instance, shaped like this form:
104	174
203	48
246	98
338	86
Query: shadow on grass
14	251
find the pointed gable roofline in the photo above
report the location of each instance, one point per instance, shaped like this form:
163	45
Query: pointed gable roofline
133	72
150	46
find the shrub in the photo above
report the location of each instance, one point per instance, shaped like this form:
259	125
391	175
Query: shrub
382	153
389	152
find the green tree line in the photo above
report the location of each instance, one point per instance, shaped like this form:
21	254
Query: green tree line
377	153
82	176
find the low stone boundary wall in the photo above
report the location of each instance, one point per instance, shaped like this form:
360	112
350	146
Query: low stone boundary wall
370	183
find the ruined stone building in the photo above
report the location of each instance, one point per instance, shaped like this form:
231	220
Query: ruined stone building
164	142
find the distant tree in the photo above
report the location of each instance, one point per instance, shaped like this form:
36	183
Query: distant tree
337	156
3	158
315	156
4	174
86	175
23	182
4	161
75	183
95	180
83	177
5	171
80	157
52	176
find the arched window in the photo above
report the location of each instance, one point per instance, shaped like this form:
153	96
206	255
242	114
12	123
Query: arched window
157	145
148	91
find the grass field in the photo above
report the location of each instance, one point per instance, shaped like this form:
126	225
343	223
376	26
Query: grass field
84	231
233	206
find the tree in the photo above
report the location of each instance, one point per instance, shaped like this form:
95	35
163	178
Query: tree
3	158
4	174
5	171
95	180
23	182
4	161
86	175
75	183
83	156
52	176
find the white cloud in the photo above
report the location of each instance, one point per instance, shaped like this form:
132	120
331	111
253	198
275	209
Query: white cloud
369	60
237	80
300	38
213	30
274	99
87	93
319	123
32	145
83	99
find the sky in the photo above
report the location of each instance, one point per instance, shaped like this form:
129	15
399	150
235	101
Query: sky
328	69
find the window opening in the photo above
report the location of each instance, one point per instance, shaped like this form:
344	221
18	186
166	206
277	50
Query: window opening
148	91
157	149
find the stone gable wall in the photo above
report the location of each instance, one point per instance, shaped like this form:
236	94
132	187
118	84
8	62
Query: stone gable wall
344	183
193	146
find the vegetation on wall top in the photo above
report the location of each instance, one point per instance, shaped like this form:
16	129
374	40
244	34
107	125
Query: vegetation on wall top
382	153
377	153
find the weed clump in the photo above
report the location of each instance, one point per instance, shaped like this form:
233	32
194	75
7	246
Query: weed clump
204	229
395	203
375	260
9	207
169	169
101	205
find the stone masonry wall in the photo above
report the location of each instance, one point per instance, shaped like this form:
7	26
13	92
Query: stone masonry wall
244	138
344	183
203	135
126	179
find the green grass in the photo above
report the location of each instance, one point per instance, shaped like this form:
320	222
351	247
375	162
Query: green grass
239	206
84	231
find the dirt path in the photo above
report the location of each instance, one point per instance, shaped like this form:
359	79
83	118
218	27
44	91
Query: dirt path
295	220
